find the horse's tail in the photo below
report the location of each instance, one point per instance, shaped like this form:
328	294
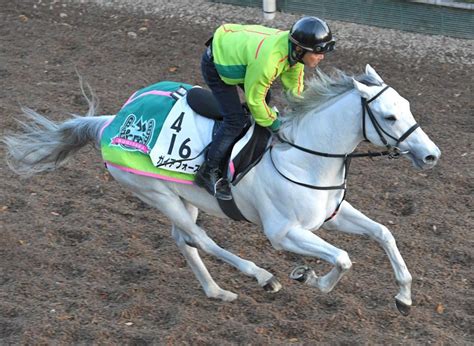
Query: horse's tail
45	145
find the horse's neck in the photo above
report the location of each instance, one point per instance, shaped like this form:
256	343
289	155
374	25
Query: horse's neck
335	129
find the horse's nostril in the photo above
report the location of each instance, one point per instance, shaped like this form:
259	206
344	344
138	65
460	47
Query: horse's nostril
430	158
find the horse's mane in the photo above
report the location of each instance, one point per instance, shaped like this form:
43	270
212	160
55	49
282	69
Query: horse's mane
320	90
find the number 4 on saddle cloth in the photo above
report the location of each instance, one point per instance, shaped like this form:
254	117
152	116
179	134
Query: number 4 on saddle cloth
163	131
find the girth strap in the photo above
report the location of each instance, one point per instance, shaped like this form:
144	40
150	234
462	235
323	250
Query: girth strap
231	210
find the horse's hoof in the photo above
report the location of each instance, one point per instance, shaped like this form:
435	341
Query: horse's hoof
403	308
300	273
272	285
225	296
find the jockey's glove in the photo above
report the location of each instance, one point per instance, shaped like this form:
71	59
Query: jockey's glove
275	126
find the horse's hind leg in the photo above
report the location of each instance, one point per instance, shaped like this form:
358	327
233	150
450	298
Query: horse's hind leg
157	194
195	236
350	220
172	206
194	261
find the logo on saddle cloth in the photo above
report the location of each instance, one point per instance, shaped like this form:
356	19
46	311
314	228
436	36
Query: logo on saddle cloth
135	134
159	135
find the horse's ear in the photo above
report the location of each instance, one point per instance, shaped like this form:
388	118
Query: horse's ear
363	89
371	72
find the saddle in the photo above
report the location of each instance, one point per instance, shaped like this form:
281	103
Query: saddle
203	103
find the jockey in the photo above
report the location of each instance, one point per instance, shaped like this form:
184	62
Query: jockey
252	57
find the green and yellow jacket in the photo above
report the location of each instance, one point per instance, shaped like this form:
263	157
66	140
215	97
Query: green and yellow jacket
254	55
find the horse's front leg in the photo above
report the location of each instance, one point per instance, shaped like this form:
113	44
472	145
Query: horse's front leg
304	242
350	220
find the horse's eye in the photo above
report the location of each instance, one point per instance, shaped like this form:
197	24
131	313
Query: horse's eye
391	118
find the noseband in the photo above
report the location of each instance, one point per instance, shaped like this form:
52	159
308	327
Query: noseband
392	152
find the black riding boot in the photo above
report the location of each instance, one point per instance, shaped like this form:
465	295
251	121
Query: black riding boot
210	178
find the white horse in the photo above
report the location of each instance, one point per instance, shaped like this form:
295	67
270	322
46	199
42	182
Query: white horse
294	190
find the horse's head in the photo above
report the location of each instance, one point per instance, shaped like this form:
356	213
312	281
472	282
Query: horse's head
387	120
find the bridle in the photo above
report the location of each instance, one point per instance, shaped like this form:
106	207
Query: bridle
379	129
392	152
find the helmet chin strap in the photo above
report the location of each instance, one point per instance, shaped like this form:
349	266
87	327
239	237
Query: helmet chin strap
295	55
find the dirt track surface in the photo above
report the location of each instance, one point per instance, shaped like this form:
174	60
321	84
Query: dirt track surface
82	261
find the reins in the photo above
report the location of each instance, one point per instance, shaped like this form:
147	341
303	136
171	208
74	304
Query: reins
392	152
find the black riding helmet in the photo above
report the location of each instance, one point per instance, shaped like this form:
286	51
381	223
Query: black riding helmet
313	35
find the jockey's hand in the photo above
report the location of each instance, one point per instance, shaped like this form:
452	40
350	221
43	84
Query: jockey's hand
275	126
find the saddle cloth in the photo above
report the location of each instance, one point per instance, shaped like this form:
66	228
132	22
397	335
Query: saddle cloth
157	134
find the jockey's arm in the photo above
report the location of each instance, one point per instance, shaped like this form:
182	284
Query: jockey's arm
293	79
258	81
